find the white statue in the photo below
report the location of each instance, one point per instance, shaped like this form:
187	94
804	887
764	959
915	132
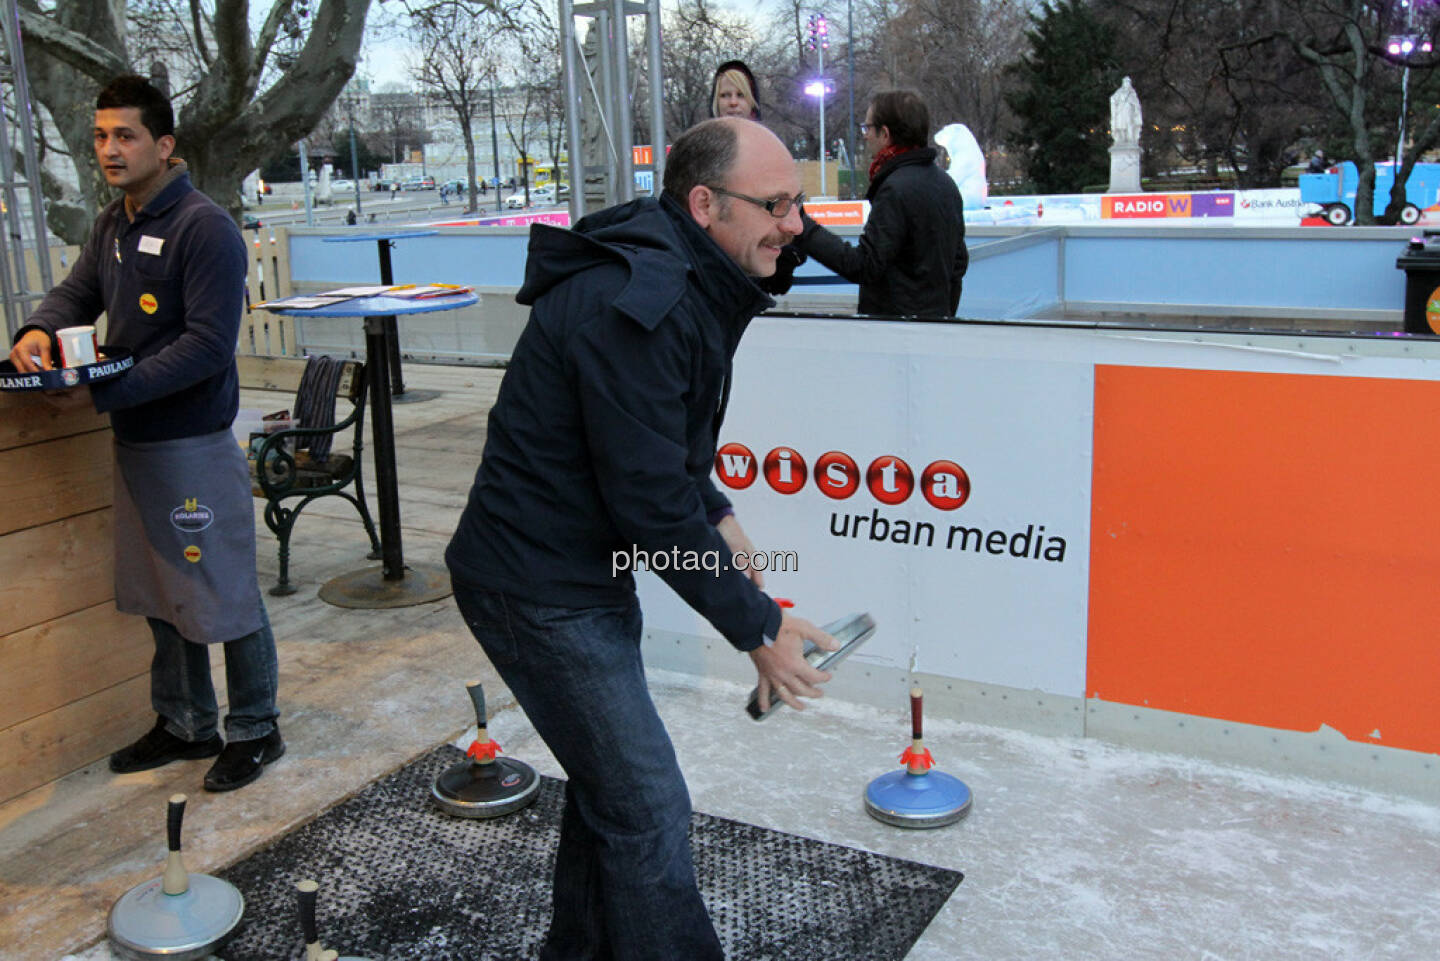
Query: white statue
1125	115
967	163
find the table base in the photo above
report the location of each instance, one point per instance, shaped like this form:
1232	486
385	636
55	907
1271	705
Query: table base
412	396
368	590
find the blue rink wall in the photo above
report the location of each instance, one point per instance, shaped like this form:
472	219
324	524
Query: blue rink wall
1033	602
1015	274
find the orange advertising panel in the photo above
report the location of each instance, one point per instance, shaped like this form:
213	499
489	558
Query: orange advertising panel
837	213
1264	549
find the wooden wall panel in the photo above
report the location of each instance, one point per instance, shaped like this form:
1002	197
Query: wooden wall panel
57	569
54	663
26	418
44	748
59	478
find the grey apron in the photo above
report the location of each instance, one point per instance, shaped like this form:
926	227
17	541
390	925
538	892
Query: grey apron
185	536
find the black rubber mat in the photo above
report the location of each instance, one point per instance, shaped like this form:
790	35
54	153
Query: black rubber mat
401	881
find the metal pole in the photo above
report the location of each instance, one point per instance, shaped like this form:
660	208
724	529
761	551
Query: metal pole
392	326
382	435
657	96
624	121
850	55
305	185
820	66
568	56
25	124
354	160
605	103
1404	106
495	146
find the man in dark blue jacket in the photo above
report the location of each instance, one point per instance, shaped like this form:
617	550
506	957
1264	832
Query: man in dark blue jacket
911	258
167	266
600	445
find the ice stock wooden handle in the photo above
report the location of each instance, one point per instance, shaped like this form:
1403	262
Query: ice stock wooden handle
916	700
477	697
174	817
308	891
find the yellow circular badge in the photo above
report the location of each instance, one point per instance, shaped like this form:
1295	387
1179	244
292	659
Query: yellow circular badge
148	303
192	554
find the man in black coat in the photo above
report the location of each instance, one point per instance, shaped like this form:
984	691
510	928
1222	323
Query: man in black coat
598	462
911	257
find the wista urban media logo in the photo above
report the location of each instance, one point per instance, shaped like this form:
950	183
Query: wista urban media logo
889	479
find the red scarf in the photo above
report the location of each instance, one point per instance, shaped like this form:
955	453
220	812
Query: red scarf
886	154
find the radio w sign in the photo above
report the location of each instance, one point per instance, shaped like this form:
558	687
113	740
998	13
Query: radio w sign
889	478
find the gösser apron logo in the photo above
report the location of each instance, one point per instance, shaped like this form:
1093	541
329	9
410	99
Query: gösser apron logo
70	376
192	518
192	554
148	303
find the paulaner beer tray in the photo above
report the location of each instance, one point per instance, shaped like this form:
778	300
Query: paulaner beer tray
113	362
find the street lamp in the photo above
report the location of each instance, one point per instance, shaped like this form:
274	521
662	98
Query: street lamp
850	56
350	98
1405	45
819	42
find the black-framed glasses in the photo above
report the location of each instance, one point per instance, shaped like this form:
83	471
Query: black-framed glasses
777	207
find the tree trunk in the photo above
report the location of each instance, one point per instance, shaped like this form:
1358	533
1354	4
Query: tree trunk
472	204
223	131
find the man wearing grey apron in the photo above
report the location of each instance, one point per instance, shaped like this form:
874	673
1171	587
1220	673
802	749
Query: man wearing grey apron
167	266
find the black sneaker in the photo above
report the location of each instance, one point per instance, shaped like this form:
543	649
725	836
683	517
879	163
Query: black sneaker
242	762
159	747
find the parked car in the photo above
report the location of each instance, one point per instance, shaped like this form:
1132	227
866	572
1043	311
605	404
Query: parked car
419	183
543	196
456	186
515	201
341	187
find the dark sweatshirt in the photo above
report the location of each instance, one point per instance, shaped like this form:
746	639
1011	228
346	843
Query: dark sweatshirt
603	435
172	285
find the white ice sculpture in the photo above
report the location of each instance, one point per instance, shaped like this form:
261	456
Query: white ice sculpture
967	163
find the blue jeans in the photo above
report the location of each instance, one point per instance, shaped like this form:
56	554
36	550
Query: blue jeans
624	881
181	690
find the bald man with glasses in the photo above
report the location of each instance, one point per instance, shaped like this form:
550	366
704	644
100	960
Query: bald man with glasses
600	448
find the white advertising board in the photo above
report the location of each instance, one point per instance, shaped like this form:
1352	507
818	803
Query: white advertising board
965	531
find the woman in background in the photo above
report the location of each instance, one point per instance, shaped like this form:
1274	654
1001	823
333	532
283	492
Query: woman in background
733	93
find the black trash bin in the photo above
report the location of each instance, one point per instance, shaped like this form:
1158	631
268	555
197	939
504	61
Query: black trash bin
1421	263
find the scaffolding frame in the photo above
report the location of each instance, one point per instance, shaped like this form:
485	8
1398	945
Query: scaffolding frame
18	124
611	96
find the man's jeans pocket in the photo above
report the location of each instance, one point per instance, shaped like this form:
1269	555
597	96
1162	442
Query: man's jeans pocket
488	618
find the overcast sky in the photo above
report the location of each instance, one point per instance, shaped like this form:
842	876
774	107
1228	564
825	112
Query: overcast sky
383	58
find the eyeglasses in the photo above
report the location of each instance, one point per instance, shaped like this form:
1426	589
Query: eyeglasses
868	128
777	207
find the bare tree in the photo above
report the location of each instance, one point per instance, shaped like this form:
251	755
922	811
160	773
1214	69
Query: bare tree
250	91
1345	44
460	42
532	74
698	39
394	122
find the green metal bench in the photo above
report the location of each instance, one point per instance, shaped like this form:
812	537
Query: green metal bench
294	467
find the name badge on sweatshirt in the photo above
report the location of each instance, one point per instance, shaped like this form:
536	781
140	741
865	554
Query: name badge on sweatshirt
151	245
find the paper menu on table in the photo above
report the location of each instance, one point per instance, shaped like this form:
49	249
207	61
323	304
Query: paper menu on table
424	291
362	290
305	301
